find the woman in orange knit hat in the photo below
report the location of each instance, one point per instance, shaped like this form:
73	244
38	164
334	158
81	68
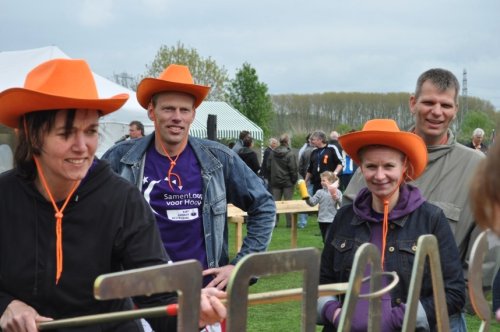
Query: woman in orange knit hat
66	217
391	215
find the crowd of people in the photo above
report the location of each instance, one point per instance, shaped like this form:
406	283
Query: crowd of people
162	197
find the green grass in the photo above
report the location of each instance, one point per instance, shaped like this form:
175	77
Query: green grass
286	316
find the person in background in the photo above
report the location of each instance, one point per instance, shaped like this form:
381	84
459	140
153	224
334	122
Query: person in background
446	179
485	200
348	169
248	155
329	199
136	129
476	142
239	142
273	144
283	174
66	217
334	142
304	159
323	158
392	215
335	145
188	181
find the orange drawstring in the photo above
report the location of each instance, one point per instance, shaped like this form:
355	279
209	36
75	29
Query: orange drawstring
385	229
59	216
385	222
172	165
172	161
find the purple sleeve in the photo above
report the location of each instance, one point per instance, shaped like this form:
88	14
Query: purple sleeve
329	310
397	316
392	317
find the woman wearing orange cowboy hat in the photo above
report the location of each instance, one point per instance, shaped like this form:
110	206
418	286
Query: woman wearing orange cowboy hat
391	215
66	217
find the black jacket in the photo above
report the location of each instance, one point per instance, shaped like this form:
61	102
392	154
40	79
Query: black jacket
282	167
348	232
250	158
107	227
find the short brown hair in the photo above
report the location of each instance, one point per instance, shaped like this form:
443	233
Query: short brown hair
441	78
31	130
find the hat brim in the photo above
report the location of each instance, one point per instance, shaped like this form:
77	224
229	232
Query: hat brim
410	144
16	102
151	86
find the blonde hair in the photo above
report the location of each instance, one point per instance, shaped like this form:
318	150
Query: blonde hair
330	176
485	189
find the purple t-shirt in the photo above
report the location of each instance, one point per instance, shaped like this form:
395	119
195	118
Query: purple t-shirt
176	203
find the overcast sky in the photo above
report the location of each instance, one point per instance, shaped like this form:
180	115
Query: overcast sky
309	46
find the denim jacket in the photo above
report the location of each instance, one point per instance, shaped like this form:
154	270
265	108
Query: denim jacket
226	179
348	232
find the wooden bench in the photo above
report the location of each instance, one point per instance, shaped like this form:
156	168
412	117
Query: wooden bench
294	207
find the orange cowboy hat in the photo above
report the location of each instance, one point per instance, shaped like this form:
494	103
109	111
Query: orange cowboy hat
55	84
386	132
174	78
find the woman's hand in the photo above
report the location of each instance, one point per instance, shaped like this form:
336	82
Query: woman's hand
212	310
20	317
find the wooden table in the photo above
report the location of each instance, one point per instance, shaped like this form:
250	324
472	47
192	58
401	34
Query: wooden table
294	207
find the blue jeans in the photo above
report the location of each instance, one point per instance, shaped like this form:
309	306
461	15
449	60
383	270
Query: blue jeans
496	292
457	323
302	219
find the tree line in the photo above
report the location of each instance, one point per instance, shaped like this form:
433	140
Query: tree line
299	114
344	111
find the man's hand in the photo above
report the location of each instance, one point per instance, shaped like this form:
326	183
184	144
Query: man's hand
212	310
20	317
221	276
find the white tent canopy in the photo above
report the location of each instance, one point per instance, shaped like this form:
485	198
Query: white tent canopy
15	65
230	122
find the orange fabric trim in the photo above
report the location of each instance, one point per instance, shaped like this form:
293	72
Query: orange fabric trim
385	229
172	161
172	165
59	216
385	222
444	139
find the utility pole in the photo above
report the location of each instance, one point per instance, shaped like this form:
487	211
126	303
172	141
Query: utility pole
464	99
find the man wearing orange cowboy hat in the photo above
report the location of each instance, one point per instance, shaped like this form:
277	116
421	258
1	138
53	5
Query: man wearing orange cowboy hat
66	216
189	181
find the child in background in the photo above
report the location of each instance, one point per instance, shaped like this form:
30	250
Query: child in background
328	198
